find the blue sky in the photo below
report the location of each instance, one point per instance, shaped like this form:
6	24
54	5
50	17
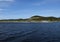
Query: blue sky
13	9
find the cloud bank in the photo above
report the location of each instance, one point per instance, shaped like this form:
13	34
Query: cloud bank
5	4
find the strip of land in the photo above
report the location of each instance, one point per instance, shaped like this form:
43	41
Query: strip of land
34	19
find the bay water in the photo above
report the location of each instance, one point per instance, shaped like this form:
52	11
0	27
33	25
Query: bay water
30	32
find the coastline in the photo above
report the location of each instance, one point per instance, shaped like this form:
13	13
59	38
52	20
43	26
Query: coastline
33	19
29	21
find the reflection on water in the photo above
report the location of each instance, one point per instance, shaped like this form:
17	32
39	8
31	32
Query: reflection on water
30	32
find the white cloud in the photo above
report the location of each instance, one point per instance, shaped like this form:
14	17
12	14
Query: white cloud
5	4
7	0
1	9
51	1
38	3
46	2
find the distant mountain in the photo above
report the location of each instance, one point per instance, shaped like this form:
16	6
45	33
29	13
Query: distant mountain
34	18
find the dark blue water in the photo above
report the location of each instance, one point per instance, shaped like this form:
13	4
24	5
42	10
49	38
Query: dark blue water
30	32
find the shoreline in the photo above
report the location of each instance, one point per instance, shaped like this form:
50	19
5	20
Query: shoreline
28	21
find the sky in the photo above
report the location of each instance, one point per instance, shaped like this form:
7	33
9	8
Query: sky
15	9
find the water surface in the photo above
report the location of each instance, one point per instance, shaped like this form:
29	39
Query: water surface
30	32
